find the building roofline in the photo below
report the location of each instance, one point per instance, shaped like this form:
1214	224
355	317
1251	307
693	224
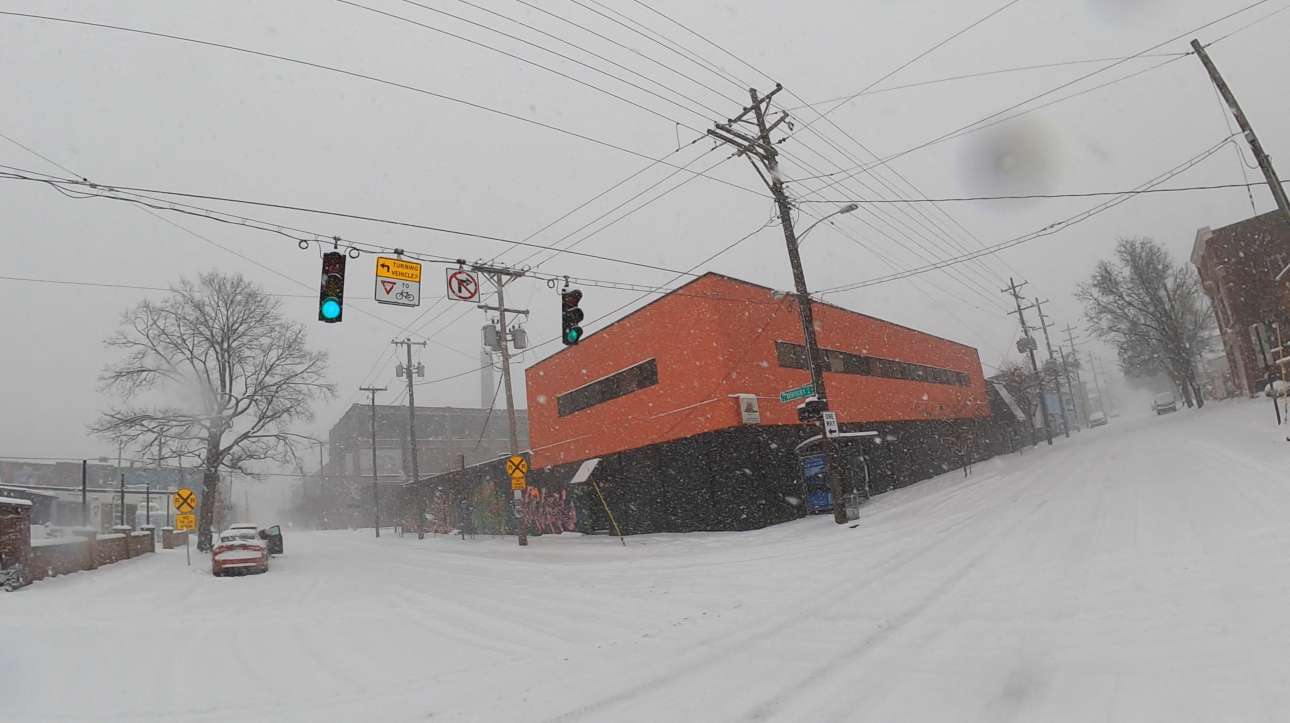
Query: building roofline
754	285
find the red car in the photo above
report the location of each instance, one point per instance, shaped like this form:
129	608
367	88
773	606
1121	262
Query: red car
239	550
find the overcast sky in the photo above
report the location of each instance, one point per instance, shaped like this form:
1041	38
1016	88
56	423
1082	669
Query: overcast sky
127	109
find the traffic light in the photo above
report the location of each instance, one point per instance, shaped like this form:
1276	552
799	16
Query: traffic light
571	316
331	297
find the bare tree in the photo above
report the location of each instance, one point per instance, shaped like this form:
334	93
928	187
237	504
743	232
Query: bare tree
1153	311
217	372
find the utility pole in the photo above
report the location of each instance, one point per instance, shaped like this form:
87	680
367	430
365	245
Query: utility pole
85	503
1101	400
122	499
1265	163
500	276
1057	382
376	495
322	484
1030	347
1083	397
761	146
408	371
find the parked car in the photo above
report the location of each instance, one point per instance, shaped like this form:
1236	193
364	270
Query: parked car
239	550
1096	419
1164	403
271	534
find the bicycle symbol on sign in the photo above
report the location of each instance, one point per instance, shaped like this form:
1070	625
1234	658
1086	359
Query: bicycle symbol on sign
405	295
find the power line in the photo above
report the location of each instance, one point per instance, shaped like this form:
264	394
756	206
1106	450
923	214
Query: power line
958	131
1045	231
354	74
325	212
611	41
527	61
922	55
1029	196
849	136
984	74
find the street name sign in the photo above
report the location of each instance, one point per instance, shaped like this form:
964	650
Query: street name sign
801	392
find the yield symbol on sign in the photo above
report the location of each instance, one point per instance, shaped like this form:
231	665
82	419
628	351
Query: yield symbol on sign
388	285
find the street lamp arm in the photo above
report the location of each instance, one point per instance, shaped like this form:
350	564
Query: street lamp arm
845	209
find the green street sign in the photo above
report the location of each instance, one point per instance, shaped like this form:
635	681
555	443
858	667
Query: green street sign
799	393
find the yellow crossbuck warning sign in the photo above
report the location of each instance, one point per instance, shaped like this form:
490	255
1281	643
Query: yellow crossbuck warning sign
516	466
184	500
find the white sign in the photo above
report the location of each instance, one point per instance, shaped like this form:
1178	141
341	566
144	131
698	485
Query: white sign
830	424
398	292
463	285
749	411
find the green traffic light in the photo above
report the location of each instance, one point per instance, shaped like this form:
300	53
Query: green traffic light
572	335
330	309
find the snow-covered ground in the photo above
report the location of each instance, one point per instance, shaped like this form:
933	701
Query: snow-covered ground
1138	572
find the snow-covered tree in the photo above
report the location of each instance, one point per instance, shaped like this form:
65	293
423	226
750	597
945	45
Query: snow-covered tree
1152	311
218	373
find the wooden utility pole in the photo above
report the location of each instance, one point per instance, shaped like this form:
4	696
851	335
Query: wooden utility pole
376	495
755	142
420	371
1083	395
500	276
1057	382
1265	163
1029	347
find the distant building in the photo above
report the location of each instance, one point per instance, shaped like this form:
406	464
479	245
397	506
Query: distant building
444	436
1239	267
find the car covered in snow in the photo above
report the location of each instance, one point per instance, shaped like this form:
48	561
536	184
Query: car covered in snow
1096	419
1164	403
239	550
271	534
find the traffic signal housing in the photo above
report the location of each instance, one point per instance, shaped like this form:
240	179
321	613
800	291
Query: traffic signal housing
571	316
331	296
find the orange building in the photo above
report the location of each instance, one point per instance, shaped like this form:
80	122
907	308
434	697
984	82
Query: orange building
678	403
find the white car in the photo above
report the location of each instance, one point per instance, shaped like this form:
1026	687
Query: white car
1096	419
1164	404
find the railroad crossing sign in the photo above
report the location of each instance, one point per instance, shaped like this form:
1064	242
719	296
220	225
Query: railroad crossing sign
516	467
186	522
398	282
789	395
463	285
184	500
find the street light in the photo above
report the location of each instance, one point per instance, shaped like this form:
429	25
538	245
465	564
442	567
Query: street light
845	209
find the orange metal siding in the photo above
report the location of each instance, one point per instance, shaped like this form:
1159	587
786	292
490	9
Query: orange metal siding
714	338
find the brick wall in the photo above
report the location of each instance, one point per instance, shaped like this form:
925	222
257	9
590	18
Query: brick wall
15	534
57	557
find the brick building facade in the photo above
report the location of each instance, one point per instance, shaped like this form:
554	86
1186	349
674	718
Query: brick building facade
1238	266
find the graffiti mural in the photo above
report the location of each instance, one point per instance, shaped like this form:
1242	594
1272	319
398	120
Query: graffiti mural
548	512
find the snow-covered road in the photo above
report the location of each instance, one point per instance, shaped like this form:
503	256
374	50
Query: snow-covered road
1138	572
